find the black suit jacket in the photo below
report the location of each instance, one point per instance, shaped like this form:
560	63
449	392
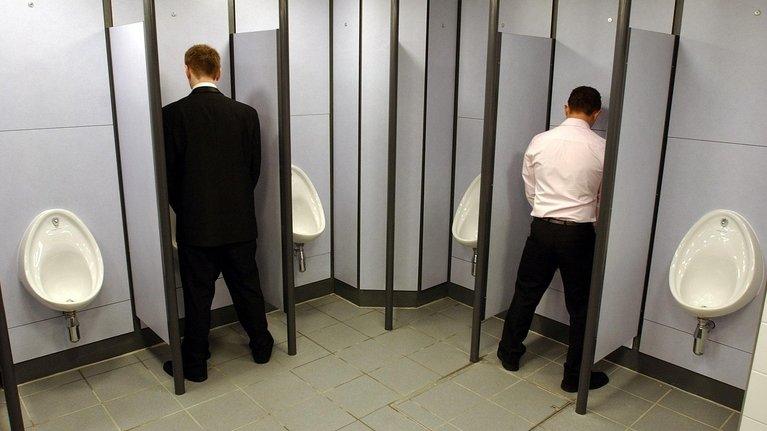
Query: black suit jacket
213	159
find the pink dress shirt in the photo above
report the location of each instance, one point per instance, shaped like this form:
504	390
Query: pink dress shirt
562	171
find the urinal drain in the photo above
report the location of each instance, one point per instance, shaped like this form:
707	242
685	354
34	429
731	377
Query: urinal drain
724	222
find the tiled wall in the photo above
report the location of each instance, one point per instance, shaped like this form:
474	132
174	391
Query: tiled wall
754	412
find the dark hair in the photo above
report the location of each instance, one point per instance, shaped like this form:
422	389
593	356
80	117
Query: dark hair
203	60
585	100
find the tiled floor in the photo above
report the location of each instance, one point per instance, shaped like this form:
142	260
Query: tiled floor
352	375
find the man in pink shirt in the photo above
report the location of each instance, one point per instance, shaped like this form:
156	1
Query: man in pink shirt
562	172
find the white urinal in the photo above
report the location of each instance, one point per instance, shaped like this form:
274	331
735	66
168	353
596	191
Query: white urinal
60	264
308	215
466	220
716	270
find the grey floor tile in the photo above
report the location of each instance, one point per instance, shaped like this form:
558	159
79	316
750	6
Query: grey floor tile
568	420
404	341
362	396
227	347
439	326
180	421
59	401
306	351
618	405
222	331
315	414
545	347
661	418
91	419
488	344
109	365
326	373
280	391
460	313
153	358
5	423
311	320
142	407
226	412
529	401
418	414
355	426
405	376
121	381
367	355
403	316
529	365
49	382
327	299
336	337
442	358
493	326
638	384
488	416
370	324
695	407
448	400
277	328
550	378
732	423
441	304
266	423
243	371
485	379
343	310
216	385
388	419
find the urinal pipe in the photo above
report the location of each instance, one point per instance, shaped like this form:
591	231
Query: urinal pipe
299	248
73	325
701	335
474	264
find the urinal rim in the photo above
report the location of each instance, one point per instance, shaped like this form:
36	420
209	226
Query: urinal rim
753	271
34	288
460	216
315	197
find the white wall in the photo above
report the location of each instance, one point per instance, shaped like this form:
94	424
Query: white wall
754	414
58	151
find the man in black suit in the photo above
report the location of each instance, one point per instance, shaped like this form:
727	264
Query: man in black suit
213	158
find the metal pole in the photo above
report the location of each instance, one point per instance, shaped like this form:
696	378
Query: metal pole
620	58
488	168
158	142
392	163
8	370
286	192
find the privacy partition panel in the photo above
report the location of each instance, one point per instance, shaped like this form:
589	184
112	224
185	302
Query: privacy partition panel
255	69
522	108
645	96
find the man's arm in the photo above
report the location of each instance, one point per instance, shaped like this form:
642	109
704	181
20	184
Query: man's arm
172	162
255	164
528	176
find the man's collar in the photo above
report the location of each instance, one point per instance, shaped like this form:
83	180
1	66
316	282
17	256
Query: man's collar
576	122
204	84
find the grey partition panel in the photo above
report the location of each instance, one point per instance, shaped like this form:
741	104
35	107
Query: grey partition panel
256	15
522	109
525	17
132	107
127	11
648	74
473	52
721	66
438	141
256	71
80	174
584	52
374	135
410	117
653	15
309	58
181	24
54	65
346	86
699	177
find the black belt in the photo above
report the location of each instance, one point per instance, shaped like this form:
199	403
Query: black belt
559	221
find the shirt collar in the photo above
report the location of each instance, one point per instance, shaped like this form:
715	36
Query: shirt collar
576	122
204	84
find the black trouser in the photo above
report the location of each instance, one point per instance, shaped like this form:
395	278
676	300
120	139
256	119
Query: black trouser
550	246
200	267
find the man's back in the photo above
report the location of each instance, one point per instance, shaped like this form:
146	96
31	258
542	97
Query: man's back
213	159
563	172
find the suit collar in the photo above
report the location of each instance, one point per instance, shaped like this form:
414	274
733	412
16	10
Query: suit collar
200	90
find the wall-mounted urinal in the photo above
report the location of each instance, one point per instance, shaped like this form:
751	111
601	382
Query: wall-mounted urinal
308	215
60	264
716	270
466	220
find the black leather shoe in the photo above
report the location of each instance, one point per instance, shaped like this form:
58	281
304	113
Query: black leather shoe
263	353
598	379
193	377
509	364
